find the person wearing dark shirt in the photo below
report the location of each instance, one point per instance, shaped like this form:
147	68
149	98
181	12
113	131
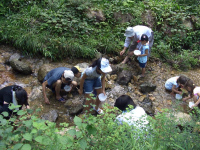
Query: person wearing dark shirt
58	79
12	94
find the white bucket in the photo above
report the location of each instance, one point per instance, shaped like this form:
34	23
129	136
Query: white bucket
67	88
102	97
178	96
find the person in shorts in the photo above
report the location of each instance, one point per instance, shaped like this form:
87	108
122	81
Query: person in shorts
133	37
57	79
94	78
144	49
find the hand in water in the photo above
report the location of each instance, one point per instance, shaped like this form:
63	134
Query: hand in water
46	100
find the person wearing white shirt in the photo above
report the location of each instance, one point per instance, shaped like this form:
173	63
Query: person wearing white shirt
133	37
135	116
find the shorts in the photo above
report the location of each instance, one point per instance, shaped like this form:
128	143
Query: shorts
142	65
90	84
53	89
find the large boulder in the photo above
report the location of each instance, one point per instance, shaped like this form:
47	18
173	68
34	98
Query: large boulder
116	69
14	56
187	23
114	93
98	14
52	115
122	18
147	87
147	105
36	93
179	117
149	18
21	66
75	105
124	77
44	69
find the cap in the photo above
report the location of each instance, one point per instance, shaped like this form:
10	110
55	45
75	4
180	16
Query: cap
144	37
68	74
75	69
105	66
129	32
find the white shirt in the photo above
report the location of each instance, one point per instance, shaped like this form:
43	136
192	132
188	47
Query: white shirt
139	30
136	117
171	82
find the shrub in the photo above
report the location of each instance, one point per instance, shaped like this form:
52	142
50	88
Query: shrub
97	132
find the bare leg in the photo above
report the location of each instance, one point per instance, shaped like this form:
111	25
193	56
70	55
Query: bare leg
143	72
74	83
57	86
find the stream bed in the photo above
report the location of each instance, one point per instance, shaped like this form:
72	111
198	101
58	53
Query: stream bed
156	73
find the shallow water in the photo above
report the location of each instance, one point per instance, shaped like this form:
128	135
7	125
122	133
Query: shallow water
156	73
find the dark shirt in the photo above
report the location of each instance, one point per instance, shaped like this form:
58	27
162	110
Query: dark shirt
54	75
6	96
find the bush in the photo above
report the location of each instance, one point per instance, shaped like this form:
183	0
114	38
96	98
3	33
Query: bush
54	27
29	132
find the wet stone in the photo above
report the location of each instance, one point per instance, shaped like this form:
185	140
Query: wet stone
124	77
21	67
52	115
14	56
147	87
147	105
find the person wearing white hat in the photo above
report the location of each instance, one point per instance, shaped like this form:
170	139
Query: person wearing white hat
94	78
58	79
133	37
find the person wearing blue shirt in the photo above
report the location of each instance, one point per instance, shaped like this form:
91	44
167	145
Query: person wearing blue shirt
58	79
143	46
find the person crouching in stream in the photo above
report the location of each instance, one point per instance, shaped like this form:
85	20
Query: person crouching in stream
12	95
94	78
58	79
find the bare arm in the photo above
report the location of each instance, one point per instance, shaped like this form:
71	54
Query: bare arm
189	97
81	84
175	90
198	101
44	84
123	51
103	83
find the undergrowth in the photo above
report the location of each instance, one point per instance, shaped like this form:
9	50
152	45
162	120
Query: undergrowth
164	131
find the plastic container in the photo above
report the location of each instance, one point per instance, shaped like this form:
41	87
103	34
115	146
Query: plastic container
67	88
137	52
102	97
178	96
191	104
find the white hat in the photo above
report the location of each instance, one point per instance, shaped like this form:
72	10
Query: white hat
68	74
129	32
105	66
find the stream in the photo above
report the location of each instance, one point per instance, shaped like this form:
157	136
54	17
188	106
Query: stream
156	73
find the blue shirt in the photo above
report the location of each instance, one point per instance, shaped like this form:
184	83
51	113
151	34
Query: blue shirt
54	75
142	48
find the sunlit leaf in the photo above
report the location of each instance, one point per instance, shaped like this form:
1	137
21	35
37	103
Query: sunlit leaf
26	147
28	136
17	146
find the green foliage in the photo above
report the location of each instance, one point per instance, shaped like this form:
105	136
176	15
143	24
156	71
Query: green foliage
97	132
60	28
